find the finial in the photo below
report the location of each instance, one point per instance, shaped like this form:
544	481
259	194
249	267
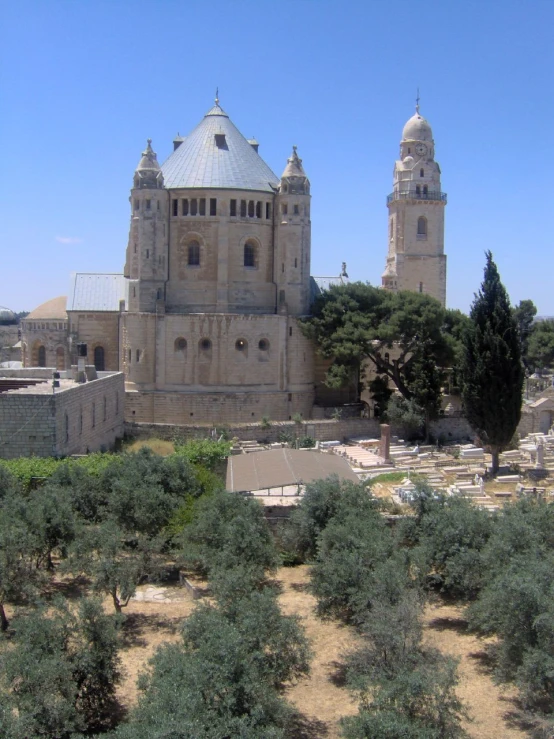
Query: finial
149	142
417	101
217	95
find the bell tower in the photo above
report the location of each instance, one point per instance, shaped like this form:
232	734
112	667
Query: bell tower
293	239
416	259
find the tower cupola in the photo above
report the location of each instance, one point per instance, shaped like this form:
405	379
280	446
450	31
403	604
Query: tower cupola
148	172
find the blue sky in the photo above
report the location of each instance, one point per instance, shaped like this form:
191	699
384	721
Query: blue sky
83	84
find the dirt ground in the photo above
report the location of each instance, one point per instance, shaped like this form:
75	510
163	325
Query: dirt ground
321	698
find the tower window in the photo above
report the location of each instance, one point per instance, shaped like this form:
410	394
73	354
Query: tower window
258	209
175	207
135	248
243	208
249	255
194	207
296	210
148	253
137	204
138	355
205	345
422	226
268	210
148	204
263	345
421	173
202	208
233	208
159	293
185	207
295	262
250	209
180	344
284	209
194	254
418	190
409	150
285	188
213	206
241	345
425	191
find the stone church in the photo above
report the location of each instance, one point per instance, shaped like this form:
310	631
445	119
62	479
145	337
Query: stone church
203	320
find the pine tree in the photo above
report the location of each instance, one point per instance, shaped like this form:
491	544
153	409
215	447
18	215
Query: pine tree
492	371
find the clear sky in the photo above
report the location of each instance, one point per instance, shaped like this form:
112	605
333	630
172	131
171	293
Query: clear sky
84	83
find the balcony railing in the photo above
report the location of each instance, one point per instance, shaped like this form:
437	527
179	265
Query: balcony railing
414	195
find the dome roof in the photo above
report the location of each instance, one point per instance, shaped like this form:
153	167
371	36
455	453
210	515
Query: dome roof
417	129
54	308
7	316
149	160
216	155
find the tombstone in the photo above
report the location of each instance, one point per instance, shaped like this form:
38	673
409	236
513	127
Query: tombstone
384	447
481	486
476	479
540	455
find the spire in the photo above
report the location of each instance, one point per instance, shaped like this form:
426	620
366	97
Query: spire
294	166
216	96
417	102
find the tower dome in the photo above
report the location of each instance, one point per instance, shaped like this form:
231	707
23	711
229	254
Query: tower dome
417	129
148	172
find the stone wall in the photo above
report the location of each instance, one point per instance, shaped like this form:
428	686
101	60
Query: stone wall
75	420
452	429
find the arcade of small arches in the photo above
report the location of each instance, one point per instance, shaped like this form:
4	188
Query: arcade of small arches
38	356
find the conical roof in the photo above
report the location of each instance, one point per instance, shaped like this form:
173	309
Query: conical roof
216	155
294	166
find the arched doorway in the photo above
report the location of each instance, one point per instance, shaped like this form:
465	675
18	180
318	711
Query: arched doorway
60	358
41	356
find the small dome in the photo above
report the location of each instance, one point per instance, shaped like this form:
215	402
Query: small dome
408	162
417	129
7	316
149	160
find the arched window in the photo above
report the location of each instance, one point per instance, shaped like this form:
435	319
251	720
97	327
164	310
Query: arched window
422	226
421	287
194	254
241	345
99	358
249	254
263	345
425	191
418	190
250	209
205	345
180	344
41	356
421	173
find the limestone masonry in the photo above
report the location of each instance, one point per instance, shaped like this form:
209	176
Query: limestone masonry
203	320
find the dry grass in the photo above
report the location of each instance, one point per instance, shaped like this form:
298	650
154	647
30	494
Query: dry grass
158	446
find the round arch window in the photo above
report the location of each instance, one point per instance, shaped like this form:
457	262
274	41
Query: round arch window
263	345
205	345
241	345
180	344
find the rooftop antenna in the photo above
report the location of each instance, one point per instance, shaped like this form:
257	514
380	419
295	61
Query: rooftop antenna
417	101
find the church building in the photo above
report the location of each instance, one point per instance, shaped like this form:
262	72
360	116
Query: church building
203	320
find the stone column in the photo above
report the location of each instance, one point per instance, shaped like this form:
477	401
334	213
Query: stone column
384	448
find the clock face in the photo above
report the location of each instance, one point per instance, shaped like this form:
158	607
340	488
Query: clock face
421	149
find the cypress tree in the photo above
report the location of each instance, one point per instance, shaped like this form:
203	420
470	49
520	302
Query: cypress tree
492	370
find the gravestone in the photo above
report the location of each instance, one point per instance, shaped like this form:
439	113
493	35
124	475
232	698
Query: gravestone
384	449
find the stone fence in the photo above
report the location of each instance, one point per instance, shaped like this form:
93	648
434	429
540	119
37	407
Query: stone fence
445	429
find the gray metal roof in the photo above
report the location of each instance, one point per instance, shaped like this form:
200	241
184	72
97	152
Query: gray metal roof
225	162
319	284
276	467
96	292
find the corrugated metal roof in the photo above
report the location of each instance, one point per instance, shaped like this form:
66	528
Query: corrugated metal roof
319	284
276	467
96	292
216	155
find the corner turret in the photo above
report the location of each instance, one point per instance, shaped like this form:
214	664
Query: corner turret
146	259
293	241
